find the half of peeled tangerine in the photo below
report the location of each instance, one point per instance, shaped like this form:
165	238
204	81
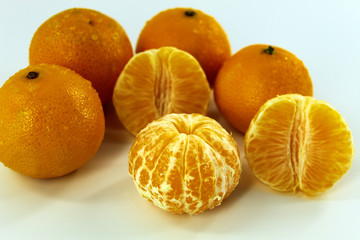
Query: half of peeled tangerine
158	82
185	163
299	143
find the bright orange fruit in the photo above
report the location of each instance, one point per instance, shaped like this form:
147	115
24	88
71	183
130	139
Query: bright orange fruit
185	163
299	143
190	30
158	82
51	121
254	75
86	41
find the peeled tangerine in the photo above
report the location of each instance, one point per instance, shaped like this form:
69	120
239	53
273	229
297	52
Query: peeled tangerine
158	82
185	163
299	143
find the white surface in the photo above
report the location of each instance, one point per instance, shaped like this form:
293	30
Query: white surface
99	201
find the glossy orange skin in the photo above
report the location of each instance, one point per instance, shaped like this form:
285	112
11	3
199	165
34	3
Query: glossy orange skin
190	30
50	125
86	41
251	77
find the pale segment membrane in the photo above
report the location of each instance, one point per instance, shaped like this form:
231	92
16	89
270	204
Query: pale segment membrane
188	172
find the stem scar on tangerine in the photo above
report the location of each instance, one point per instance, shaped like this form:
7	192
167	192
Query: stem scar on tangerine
270	50
32	75
189	13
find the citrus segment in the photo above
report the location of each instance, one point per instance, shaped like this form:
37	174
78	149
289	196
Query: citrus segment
158	82
184	163
298	143
330	148
269	146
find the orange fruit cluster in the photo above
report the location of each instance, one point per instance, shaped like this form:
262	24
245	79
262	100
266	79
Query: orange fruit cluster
185	163
242	84
293	141
52	121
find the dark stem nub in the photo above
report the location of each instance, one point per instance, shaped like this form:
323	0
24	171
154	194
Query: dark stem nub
32	75
270	50
189	13
91	22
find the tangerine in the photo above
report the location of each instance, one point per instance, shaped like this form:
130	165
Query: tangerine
158	82
298	143
86	41
190	30
254	75
185	163
51	121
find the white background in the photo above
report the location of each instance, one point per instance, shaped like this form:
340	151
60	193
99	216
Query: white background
99	201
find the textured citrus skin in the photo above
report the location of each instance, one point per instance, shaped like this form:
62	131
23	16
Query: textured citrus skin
251	77
185	163
50	125
190	30
299	143
86	41
158	82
